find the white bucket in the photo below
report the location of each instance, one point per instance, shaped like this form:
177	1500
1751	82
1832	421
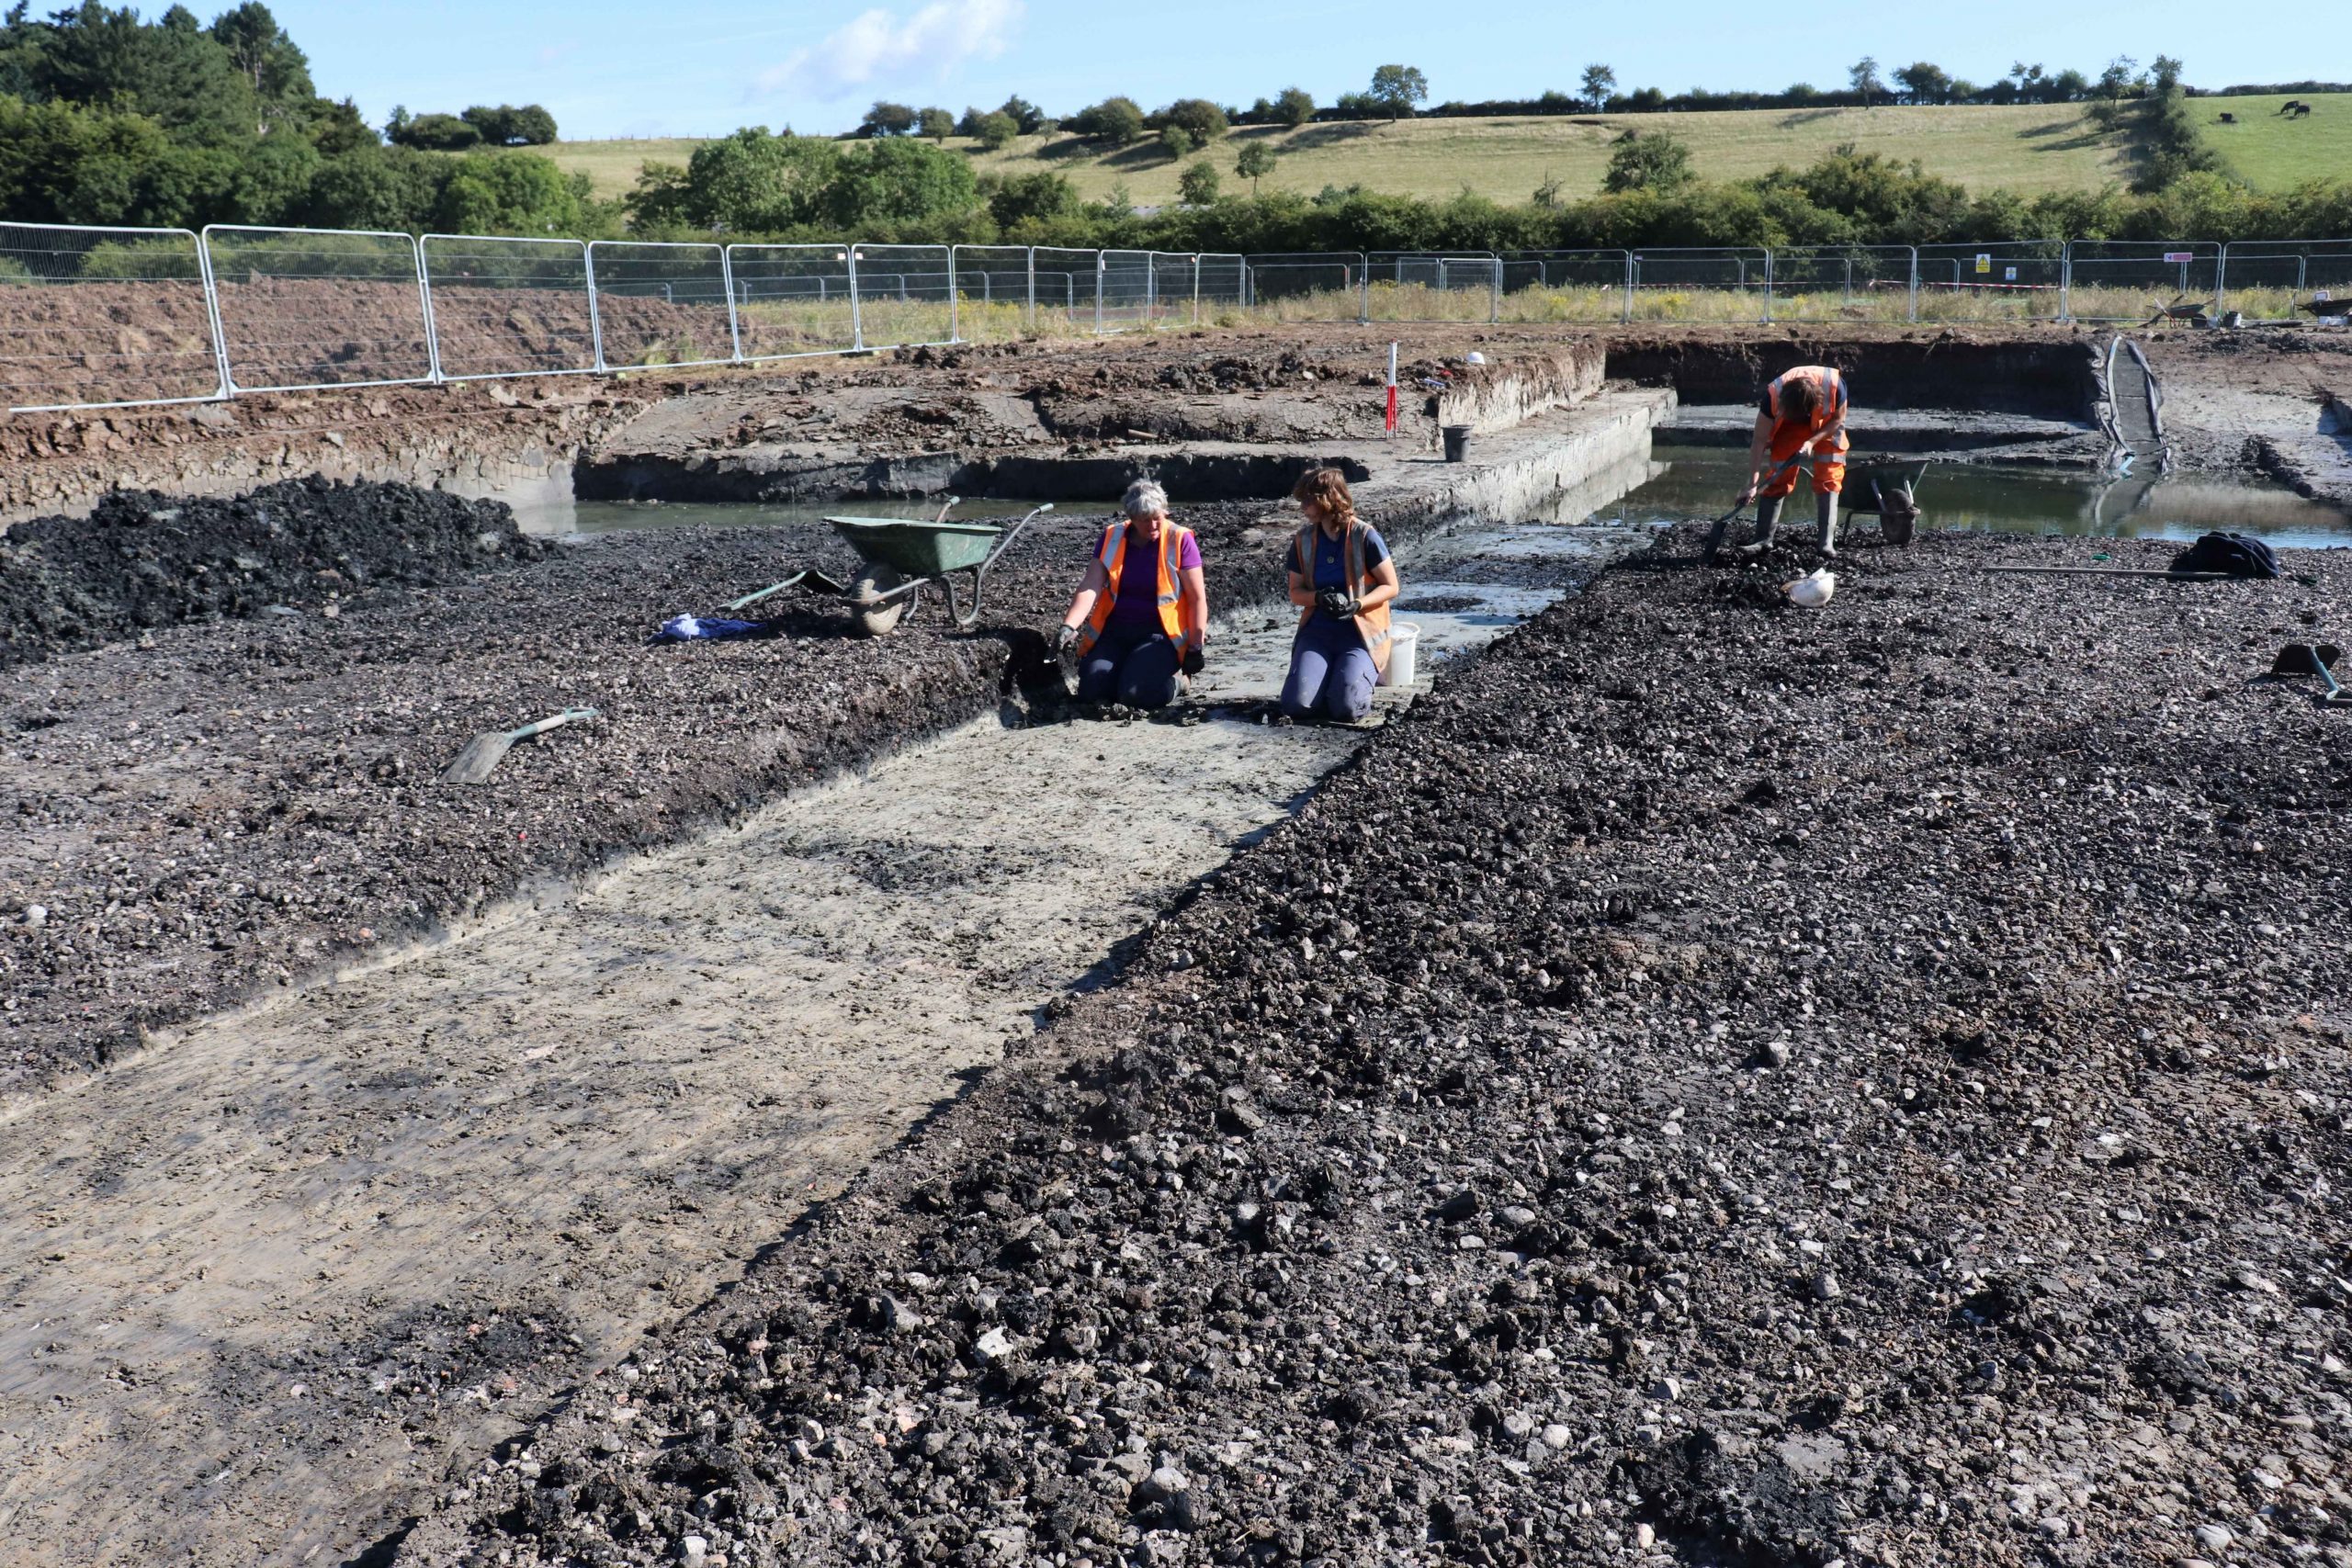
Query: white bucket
1403	638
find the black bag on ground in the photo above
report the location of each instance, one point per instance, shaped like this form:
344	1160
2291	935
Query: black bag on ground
2233	553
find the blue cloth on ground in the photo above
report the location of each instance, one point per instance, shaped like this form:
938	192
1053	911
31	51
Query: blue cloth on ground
710	628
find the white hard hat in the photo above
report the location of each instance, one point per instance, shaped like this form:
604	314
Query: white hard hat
1474	357
1814	589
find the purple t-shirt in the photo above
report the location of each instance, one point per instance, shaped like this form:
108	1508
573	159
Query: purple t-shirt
1137	609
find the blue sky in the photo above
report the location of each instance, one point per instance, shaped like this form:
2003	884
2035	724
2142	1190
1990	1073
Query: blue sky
703	67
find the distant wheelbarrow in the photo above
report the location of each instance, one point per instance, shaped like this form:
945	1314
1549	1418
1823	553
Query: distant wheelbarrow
902	557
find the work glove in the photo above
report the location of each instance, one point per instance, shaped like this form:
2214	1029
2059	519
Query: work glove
1337	603
1065	640
1191	662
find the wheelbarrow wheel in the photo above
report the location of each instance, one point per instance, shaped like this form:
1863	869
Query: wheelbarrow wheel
873	617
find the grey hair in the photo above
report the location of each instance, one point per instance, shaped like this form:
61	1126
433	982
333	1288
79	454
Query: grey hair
1145	498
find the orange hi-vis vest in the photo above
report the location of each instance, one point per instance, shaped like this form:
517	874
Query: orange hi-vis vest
1373	625
1111	552
1828	400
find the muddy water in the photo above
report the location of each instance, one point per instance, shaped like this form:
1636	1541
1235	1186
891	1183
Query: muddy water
251	1247
1700	481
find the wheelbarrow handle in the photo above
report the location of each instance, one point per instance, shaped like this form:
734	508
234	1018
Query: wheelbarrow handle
1010	535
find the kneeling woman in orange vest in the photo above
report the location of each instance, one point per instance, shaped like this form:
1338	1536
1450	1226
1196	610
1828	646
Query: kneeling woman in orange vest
1142	613
1341	577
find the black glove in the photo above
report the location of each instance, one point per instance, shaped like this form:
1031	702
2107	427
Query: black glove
1065	640
1337	603
1191	662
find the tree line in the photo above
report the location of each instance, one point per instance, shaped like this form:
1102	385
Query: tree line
105	118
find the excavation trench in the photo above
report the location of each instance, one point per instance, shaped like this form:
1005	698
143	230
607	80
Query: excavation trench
287	1274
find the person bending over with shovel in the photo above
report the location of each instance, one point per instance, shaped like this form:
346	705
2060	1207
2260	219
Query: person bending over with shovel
1804	413
1141	617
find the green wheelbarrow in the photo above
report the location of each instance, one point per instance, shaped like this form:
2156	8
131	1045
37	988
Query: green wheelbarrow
901	557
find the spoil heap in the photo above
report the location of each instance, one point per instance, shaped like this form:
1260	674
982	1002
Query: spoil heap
141	560
1712	1080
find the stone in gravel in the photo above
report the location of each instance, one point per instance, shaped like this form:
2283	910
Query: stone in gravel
2214	1538
692	1550
1777	1052
993	1345
36	917
900	1318
1556	1435
1825	1287
1162	1484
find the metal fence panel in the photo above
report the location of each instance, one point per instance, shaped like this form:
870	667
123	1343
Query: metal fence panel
905	296
1175	286
1305	286
1701	283
662	304
994	294
2018	280
98	318
2277	280
1221	281
2132	281
1124	297
1427	287
1566	286
1852	283
502	307
1067	285
792	299
306	308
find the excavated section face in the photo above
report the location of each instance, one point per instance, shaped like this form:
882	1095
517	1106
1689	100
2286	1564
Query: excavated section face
2049	377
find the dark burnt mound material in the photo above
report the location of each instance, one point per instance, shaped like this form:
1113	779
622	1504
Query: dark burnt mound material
142	560
1708	1085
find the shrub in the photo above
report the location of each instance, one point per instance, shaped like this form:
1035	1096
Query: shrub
996	130
1114	121
1198	184
1294	106
1198	117
438	133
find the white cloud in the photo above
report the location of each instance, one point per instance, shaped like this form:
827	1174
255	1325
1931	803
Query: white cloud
876	49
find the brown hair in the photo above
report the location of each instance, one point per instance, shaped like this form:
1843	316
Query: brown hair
1800	398
1328	486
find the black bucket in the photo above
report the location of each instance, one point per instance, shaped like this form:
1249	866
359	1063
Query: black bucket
1457	442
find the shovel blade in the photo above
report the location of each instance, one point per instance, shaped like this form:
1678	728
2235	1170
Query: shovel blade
482	754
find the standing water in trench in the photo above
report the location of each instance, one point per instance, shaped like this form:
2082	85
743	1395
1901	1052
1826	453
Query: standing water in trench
1698	482
317	1250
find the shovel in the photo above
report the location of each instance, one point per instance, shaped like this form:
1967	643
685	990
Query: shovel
1716	535
2305	659
486	751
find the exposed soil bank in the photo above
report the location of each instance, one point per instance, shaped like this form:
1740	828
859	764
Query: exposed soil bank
247	803
143	560
2271	400
1712	1084
2047	375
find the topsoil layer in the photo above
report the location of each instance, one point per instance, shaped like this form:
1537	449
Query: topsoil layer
1713	1084
143	561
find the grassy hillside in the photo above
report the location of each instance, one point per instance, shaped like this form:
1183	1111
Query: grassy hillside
2272	152
2027	148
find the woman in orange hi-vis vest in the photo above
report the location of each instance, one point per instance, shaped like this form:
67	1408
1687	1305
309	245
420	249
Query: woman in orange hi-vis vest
1803	412
1141	617
1341	578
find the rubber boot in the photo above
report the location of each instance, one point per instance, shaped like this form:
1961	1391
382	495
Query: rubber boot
1825	535
1768	518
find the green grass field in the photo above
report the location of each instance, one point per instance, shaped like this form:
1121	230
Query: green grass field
2026	148
2272	153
